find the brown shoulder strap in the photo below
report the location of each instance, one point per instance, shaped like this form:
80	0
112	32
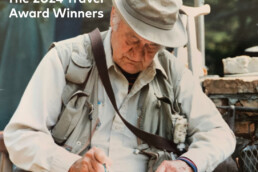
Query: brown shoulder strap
100	59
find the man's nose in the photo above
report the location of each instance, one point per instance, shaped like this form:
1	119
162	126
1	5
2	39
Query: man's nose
138	53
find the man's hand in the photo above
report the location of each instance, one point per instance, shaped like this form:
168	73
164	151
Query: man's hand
174	166
92	161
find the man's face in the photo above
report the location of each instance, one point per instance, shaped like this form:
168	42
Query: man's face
130	51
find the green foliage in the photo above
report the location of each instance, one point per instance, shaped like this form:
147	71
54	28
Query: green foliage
230	28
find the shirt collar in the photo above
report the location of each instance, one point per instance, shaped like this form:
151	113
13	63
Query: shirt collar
108	50
158	66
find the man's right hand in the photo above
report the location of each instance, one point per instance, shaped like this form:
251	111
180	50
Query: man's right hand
92	161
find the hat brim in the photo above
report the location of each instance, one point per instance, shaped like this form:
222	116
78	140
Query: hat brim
175	37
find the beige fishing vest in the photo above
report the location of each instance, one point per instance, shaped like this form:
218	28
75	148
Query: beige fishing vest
79	116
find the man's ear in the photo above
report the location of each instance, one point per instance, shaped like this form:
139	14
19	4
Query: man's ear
113	11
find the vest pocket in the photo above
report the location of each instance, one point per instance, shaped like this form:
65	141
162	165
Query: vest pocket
78	68
156	156
76	107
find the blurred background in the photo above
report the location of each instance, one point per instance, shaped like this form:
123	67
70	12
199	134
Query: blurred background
230	28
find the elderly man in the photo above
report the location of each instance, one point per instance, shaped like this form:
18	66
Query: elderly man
51	130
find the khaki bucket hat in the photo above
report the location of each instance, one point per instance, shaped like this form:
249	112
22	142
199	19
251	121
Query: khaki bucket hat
155	20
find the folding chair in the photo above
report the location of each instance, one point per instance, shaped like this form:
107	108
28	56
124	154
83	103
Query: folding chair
191	55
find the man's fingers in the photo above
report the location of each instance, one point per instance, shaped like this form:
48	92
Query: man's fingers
101	157
164	166
161	168
88	165
92	161
98	167
97	158
83	164
174	166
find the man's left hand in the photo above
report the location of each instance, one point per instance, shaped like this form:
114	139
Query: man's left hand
174	166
